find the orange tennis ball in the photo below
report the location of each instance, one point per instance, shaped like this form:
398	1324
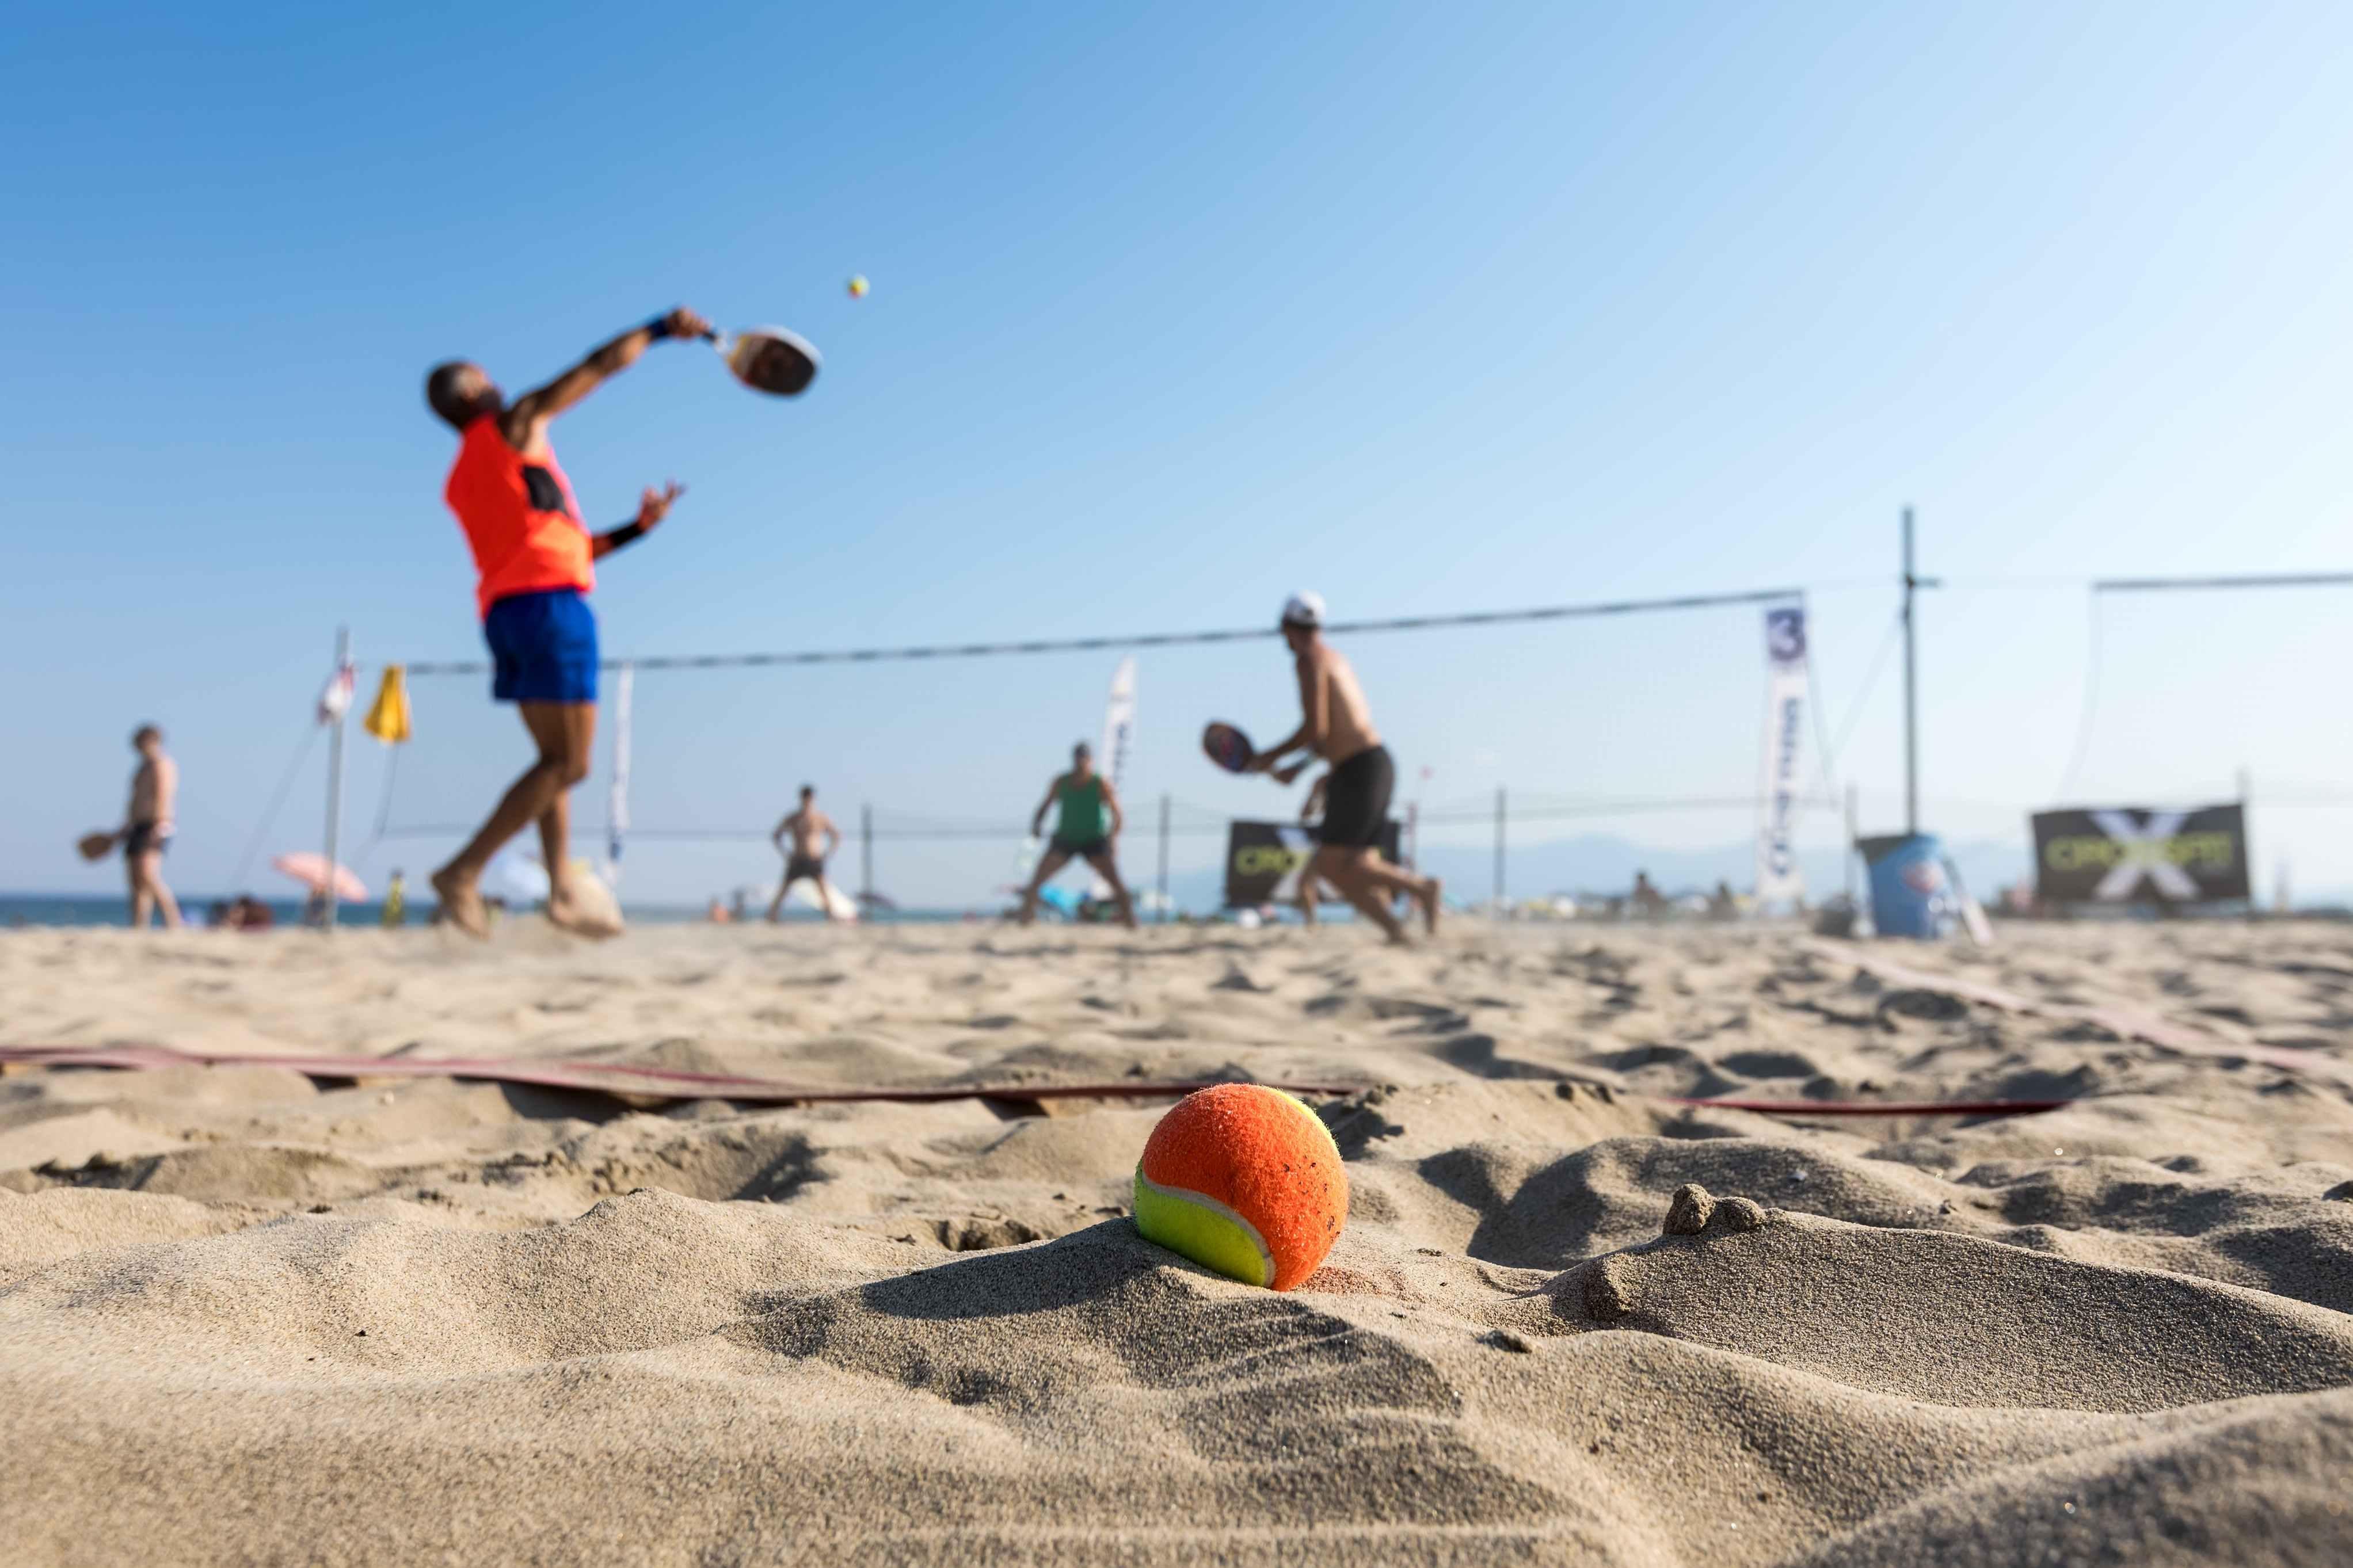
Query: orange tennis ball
1243	1179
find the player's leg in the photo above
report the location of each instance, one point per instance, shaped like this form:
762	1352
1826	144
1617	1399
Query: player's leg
527	800
1394	880
544	648
566	733
834	912
1106	865
1053	860
165	904
1344	869
134	870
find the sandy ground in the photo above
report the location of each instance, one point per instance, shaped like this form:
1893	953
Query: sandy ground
245	1317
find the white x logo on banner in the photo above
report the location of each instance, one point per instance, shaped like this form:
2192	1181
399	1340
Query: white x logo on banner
2144	855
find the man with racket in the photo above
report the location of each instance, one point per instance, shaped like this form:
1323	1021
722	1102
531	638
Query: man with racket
1336	724
533	555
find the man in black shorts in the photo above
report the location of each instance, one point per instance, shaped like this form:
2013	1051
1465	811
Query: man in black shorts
809	828
1086	826
1336	723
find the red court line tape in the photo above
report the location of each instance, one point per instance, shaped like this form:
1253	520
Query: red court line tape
1878	1107
614	1078
673	1083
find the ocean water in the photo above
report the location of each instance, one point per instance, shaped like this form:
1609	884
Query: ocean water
22	910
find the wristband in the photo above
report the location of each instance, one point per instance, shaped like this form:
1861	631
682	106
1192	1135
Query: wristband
628	534
659	327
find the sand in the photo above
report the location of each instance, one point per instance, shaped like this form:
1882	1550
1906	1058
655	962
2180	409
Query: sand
246	1317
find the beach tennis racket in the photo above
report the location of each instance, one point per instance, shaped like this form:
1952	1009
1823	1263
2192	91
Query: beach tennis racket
95	845
1227	746
768	359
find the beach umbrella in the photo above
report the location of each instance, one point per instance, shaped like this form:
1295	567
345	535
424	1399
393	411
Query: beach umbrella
312	871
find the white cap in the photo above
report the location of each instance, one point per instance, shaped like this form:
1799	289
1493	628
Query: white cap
1305	608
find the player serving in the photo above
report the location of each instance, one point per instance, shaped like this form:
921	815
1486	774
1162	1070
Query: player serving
1336	724
535	559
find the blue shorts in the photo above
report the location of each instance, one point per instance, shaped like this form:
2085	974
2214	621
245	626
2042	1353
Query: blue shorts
543	647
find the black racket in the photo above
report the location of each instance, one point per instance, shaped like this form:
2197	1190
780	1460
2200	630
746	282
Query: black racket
768	359
1227	746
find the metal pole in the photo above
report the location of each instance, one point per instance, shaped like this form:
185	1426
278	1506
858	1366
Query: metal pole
335	779
1499	849
1911	694
1848	859
2247	833
866	855
1413	835
1163	882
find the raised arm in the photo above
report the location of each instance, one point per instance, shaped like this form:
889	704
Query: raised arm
652	507
527	415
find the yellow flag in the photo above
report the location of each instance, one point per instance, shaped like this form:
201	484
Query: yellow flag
387	719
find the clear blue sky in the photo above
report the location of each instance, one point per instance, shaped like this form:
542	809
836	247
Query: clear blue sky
1177	308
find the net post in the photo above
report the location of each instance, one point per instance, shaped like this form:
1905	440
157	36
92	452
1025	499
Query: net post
1853	835
866	855
1499	852
1163	882
335	783
2247	832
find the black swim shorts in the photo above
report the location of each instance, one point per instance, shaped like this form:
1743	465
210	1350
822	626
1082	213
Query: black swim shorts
1356	801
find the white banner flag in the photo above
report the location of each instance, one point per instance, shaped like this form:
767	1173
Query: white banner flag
1119	725
1118	740
1778	880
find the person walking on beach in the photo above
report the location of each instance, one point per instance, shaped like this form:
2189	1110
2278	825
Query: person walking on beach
146	830
533	557
815	838
1336	724
1086	827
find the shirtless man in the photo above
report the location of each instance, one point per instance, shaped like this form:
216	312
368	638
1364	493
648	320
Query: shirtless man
533	553
147	829
1086	827
1336	724
808	826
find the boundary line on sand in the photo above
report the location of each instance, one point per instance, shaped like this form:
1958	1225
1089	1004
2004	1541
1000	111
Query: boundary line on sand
628	1080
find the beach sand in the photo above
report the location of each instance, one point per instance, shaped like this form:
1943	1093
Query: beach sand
246	1317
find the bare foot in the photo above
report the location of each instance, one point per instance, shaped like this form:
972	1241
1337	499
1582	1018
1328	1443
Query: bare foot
581	917
1429	902
461	903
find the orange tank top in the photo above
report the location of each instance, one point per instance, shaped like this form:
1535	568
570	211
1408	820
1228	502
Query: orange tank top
518	516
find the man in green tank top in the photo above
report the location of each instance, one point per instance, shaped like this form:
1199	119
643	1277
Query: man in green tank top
1086	822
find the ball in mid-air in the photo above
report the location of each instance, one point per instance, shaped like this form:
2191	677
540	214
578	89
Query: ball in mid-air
858	286
1243	1179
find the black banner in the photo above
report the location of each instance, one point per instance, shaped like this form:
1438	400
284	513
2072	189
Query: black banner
1263	861
2134	855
